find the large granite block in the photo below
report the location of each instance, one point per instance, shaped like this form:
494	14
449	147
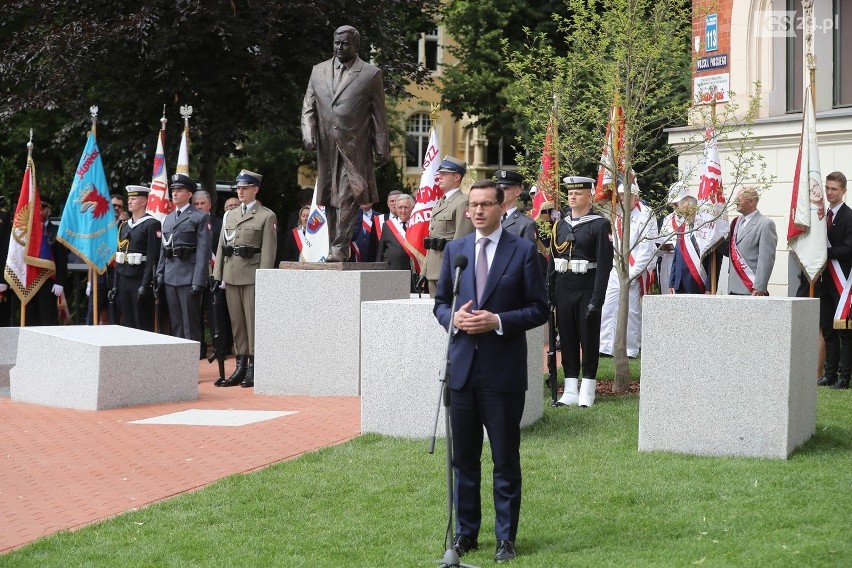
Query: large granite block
100	367
308	327
403	349
728	375
8	352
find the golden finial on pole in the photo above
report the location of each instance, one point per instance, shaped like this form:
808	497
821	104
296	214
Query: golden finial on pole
433	114
30	145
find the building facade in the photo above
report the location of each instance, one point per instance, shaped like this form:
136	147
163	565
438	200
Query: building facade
754	48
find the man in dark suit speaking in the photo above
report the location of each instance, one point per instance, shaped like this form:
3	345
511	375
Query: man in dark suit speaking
344	119
501	296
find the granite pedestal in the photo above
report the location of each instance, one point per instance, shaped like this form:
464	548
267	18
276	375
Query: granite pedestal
401	363
728	375
8	352
308	327
101	367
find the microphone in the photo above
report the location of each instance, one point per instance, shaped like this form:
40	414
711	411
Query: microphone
460	263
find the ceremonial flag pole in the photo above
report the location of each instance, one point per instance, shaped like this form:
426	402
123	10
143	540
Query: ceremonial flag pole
315	247
183	153
711	225
807	232
427	195
87	228
159	200
612	156
547	184
29	262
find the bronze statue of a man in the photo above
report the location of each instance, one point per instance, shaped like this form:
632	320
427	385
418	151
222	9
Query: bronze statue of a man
344	119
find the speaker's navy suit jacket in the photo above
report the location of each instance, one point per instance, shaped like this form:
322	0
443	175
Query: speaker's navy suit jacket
514	291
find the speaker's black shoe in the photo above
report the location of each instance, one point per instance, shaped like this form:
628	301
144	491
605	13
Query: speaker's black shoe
827	381
463	544
505	551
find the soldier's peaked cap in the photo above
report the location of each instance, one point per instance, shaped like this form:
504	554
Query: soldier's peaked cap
247	177
452	165
508	178
577	182
184	181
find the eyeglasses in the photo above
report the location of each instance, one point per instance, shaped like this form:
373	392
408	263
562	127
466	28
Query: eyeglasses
483	204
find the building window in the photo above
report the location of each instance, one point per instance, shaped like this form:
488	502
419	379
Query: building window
843	53
501	152
425	50
417	139
795	60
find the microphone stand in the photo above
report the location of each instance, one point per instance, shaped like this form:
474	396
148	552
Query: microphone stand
451	557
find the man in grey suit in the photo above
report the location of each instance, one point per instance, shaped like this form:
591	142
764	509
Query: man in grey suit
514	220
184	266
752	245
344	119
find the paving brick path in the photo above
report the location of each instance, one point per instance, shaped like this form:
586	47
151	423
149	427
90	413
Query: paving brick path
61	469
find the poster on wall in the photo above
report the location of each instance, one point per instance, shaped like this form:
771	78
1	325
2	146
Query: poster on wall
706	86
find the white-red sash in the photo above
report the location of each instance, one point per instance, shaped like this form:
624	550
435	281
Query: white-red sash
691	258
409	249
843	285
380	222
300	238
744	271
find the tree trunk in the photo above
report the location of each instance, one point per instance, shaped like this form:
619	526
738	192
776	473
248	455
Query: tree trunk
619	345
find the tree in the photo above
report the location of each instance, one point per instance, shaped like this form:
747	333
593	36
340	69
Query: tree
242	65
481	86
635	52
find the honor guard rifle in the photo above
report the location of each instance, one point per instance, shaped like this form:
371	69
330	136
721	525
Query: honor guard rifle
218	337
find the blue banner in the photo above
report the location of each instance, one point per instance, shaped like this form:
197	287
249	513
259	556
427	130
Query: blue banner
89	227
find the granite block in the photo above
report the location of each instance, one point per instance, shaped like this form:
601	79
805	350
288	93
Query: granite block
101	367
8	352
308	327
401	364
728	375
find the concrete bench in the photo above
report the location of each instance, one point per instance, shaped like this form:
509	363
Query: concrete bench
728	375
8	353
308	326
403	349
101	367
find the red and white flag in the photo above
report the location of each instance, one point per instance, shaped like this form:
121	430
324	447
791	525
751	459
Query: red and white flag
159	200
428	194
807	234
548	178
711	219
612	158
29	262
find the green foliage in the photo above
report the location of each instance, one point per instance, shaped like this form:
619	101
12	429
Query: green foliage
634	52
481	86
242	66
590	499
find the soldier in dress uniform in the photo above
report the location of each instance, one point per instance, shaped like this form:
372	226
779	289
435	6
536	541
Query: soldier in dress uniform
136	261
184	263
248	242
580	243
514	219
450	220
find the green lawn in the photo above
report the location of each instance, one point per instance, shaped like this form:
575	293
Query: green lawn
590	499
